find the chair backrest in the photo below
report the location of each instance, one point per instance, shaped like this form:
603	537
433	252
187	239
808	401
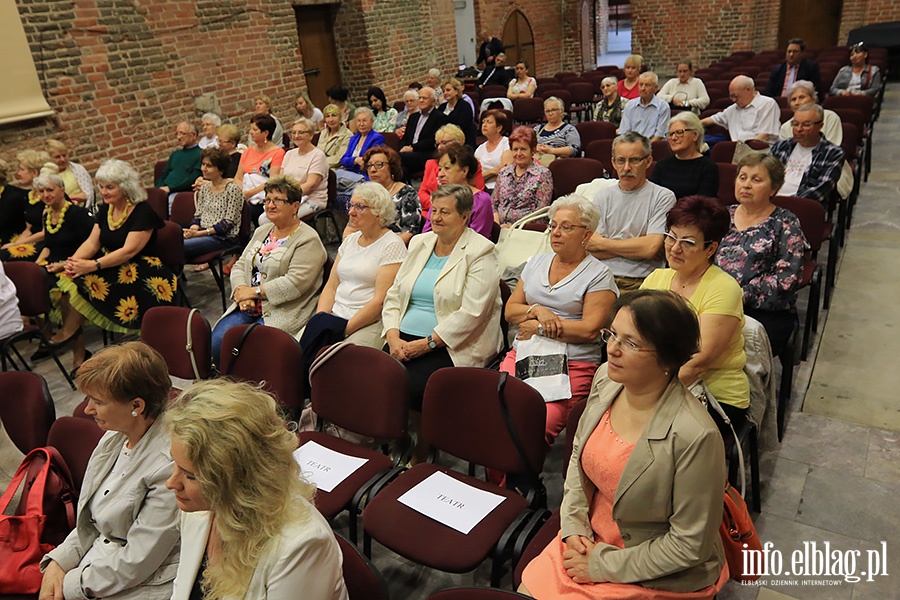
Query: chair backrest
660	149
495	232
158	200
811	214
727	177
852	115
493	91
269	356
158	169
581	92
571	427
362	579
164	328
473	593
75	438
723	152
722	103
505	293
391	140
786	115
862	103
850	141
454	394
528	110
183	209
31	287
332	189
569	173
364	390
169	246
602	150
595	130
26	409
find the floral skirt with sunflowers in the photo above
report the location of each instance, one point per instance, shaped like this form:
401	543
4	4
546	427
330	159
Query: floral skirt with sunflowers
116	298
15	252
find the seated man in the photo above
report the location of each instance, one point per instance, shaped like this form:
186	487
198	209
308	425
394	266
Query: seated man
752	116
647	114
812	164
417	144
685	91
794	68
629	239
497	73
183	166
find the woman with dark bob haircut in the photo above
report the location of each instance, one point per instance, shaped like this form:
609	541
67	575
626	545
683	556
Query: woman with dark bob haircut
647	525
694	229
126	541
259	162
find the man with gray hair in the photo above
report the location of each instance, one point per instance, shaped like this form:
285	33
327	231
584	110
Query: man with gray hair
183	166
752	116
812	164
629	238
647	114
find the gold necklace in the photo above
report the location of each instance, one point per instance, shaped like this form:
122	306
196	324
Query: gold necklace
116	224
48	226
33	197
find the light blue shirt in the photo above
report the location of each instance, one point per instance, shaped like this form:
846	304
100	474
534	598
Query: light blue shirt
651	120
420	318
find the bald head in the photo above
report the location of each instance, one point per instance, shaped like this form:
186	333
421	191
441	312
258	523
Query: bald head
742	90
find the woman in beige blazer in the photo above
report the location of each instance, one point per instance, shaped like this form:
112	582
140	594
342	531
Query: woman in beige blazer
443	309
642	502
277	278
125	542
249	527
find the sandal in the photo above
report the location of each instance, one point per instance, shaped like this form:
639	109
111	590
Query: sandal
201	268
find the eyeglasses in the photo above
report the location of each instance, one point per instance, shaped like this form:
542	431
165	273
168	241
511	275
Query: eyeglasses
607	336
565	227
686	243
297	132
805	124
551	110
375	165
632	162
360	208
276	201
677	133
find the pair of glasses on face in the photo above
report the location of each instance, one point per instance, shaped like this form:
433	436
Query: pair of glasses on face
360	208
686	243
276	201
298	132
671	135
805	124
565	227
632	162
607	336
375	165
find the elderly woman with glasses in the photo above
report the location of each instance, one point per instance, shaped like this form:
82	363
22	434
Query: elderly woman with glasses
565	295
687	172
308	166
276	279
556	139
525	185
642	503
79	185
364	138
801	93
612	104
695	227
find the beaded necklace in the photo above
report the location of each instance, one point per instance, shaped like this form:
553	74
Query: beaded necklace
48	225
33	197
113	225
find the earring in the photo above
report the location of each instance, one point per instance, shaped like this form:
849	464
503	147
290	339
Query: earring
134	413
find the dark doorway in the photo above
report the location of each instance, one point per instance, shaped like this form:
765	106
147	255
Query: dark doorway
519	41
315	27
816	21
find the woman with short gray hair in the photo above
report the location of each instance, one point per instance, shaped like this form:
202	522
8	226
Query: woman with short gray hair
687	172
209	125
556	138
364	138
611	106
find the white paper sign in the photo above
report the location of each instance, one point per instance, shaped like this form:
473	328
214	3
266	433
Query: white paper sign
324	467
451	502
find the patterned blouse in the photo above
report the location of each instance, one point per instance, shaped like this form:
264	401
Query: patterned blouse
409	211
385	120
220	211
515	197
613	114
766	260
564	135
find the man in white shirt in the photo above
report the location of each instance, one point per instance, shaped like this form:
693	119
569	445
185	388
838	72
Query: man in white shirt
752	116
685	90
10	318
647	114
629	238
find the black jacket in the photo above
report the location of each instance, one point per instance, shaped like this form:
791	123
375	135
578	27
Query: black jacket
806	70
426	139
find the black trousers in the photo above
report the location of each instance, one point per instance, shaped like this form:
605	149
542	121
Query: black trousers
421	368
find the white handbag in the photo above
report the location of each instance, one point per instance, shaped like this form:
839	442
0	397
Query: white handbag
517	244
543	364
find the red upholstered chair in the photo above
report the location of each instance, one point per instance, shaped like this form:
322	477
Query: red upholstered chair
582	98
727	177
183	209
546	81
462	416
595	130
569	173
722	103
158	200
169	248
602	150
75	439
33	294
723	152
660	150
493	91
473	593
158	169
165	329
362	579
392	141
528	111
864	104
372	403
26	409
268	356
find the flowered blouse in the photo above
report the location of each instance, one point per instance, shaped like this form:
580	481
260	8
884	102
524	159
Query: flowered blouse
515	197
766	259
385	120
611	113
409	211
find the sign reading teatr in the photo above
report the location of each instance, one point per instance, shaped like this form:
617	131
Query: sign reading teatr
450	501
812	560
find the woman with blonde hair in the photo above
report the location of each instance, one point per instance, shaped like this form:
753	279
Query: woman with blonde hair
13	201
79	186
24	243
335	136
628	87
306	109
248	523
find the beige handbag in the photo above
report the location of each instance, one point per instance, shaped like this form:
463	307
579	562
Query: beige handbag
517	244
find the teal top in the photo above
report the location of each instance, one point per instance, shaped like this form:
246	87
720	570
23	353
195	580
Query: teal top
420	318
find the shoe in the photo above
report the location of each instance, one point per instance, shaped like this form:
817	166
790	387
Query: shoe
226	268
74	372
56	345
40	354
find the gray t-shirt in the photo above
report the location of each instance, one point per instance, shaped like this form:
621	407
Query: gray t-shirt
625	215
566	296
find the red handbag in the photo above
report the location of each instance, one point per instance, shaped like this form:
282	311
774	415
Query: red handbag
21	549
738	534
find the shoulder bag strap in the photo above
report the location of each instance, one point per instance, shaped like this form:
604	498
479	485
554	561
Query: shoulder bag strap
236	351
189	345
322	358
737	442
514	434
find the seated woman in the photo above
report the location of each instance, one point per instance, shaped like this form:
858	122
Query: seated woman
687	172
522	85
457	110
259	162
13	201
763	249
353	161
493	154
635	523
859	77
126	540
115	277
804	92
411	107
446	134
248	522
308	166
277	277
443	309
79	186
525	185
218	204
628	88
364	269
384	168
335	137
229	138
338	95
26	242
556	139
209	126
685	91
384	113
611	106
262	106
456	164
565	295
694	228
306	109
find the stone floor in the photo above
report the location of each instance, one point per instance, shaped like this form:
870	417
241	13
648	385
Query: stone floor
836	476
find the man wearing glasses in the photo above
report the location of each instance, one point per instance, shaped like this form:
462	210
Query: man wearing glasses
752	116
812	164
629	239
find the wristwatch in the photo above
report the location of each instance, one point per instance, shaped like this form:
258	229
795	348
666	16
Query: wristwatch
257	291
431	343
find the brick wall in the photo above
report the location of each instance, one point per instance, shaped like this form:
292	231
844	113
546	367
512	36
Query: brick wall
866	12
